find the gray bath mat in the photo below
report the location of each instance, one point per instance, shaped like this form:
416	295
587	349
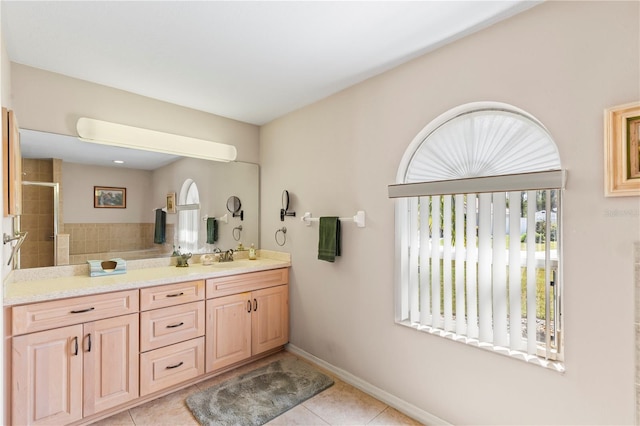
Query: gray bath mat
258	396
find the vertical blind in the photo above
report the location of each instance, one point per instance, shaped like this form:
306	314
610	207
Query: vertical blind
482	266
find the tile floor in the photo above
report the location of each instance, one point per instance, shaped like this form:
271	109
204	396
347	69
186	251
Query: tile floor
341	404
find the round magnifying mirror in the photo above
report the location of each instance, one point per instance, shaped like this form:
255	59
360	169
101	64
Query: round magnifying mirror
233	204
285	200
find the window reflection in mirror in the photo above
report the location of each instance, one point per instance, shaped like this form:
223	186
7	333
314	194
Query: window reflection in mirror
188	217
128	233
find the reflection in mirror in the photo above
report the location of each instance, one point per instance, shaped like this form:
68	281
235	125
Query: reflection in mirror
234	205
87	233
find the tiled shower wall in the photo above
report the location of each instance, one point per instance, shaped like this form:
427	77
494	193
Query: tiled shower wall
37	212
89	241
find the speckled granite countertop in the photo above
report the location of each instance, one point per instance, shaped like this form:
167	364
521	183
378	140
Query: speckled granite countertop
47	286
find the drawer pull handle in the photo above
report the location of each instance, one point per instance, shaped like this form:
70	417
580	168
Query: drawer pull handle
169	367
75	339
89	348
83	310
249	306
255	305
175	294
175	325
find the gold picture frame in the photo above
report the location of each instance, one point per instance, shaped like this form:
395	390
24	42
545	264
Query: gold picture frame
109	197
171	202
622	150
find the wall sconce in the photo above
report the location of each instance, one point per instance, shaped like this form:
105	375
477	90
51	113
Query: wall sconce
105	133
285	206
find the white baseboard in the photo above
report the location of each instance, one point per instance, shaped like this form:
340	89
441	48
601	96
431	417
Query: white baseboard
389	399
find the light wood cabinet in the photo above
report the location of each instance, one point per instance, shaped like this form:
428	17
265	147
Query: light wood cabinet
76	310
171	335
79	359
47	377
12	173
110	363
270	319
63	374
171	294
246	324
228	330
171	365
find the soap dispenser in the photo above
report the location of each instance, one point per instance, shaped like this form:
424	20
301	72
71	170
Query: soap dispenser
252	252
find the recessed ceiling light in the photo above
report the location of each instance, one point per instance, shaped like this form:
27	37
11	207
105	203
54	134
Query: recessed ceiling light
118	161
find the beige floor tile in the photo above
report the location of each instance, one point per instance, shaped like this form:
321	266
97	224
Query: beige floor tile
391	416
298	415
342	404
122	419
170	410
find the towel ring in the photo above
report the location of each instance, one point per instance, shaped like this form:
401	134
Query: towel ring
284	235
233	232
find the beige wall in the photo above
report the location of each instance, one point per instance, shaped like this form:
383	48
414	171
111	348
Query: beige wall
52	102
78	181
563	62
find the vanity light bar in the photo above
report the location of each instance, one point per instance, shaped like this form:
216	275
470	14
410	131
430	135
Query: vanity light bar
106	133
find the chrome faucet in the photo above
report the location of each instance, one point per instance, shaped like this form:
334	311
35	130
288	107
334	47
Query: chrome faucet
226	256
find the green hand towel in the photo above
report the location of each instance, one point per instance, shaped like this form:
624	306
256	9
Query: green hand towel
212	230
329	239
159	236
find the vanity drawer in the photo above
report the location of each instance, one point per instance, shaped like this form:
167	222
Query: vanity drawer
241	283
168	366
162	327
171	294
63	312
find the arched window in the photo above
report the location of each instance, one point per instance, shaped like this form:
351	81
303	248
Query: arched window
478	232
188	213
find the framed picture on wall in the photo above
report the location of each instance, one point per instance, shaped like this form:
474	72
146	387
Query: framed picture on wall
109	197
622	150
171	202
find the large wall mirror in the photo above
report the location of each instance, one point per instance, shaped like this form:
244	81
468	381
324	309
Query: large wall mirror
78	229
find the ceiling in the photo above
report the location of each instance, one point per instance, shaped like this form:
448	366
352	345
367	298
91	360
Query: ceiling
250	61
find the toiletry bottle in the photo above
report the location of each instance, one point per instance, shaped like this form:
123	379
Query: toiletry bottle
252	252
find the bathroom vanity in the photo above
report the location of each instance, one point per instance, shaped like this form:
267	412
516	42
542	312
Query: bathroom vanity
83	348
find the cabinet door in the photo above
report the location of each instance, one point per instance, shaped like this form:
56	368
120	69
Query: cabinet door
228	330
270	322
110	348
47	377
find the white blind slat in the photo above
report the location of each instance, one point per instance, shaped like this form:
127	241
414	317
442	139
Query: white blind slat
515	275
547	273
531	272
425	270
499	271
472	262
435	261
414	311
484	269
446	264
459	264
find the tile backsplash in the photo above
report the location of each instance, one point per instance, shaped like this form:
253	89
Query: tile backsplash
106	240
